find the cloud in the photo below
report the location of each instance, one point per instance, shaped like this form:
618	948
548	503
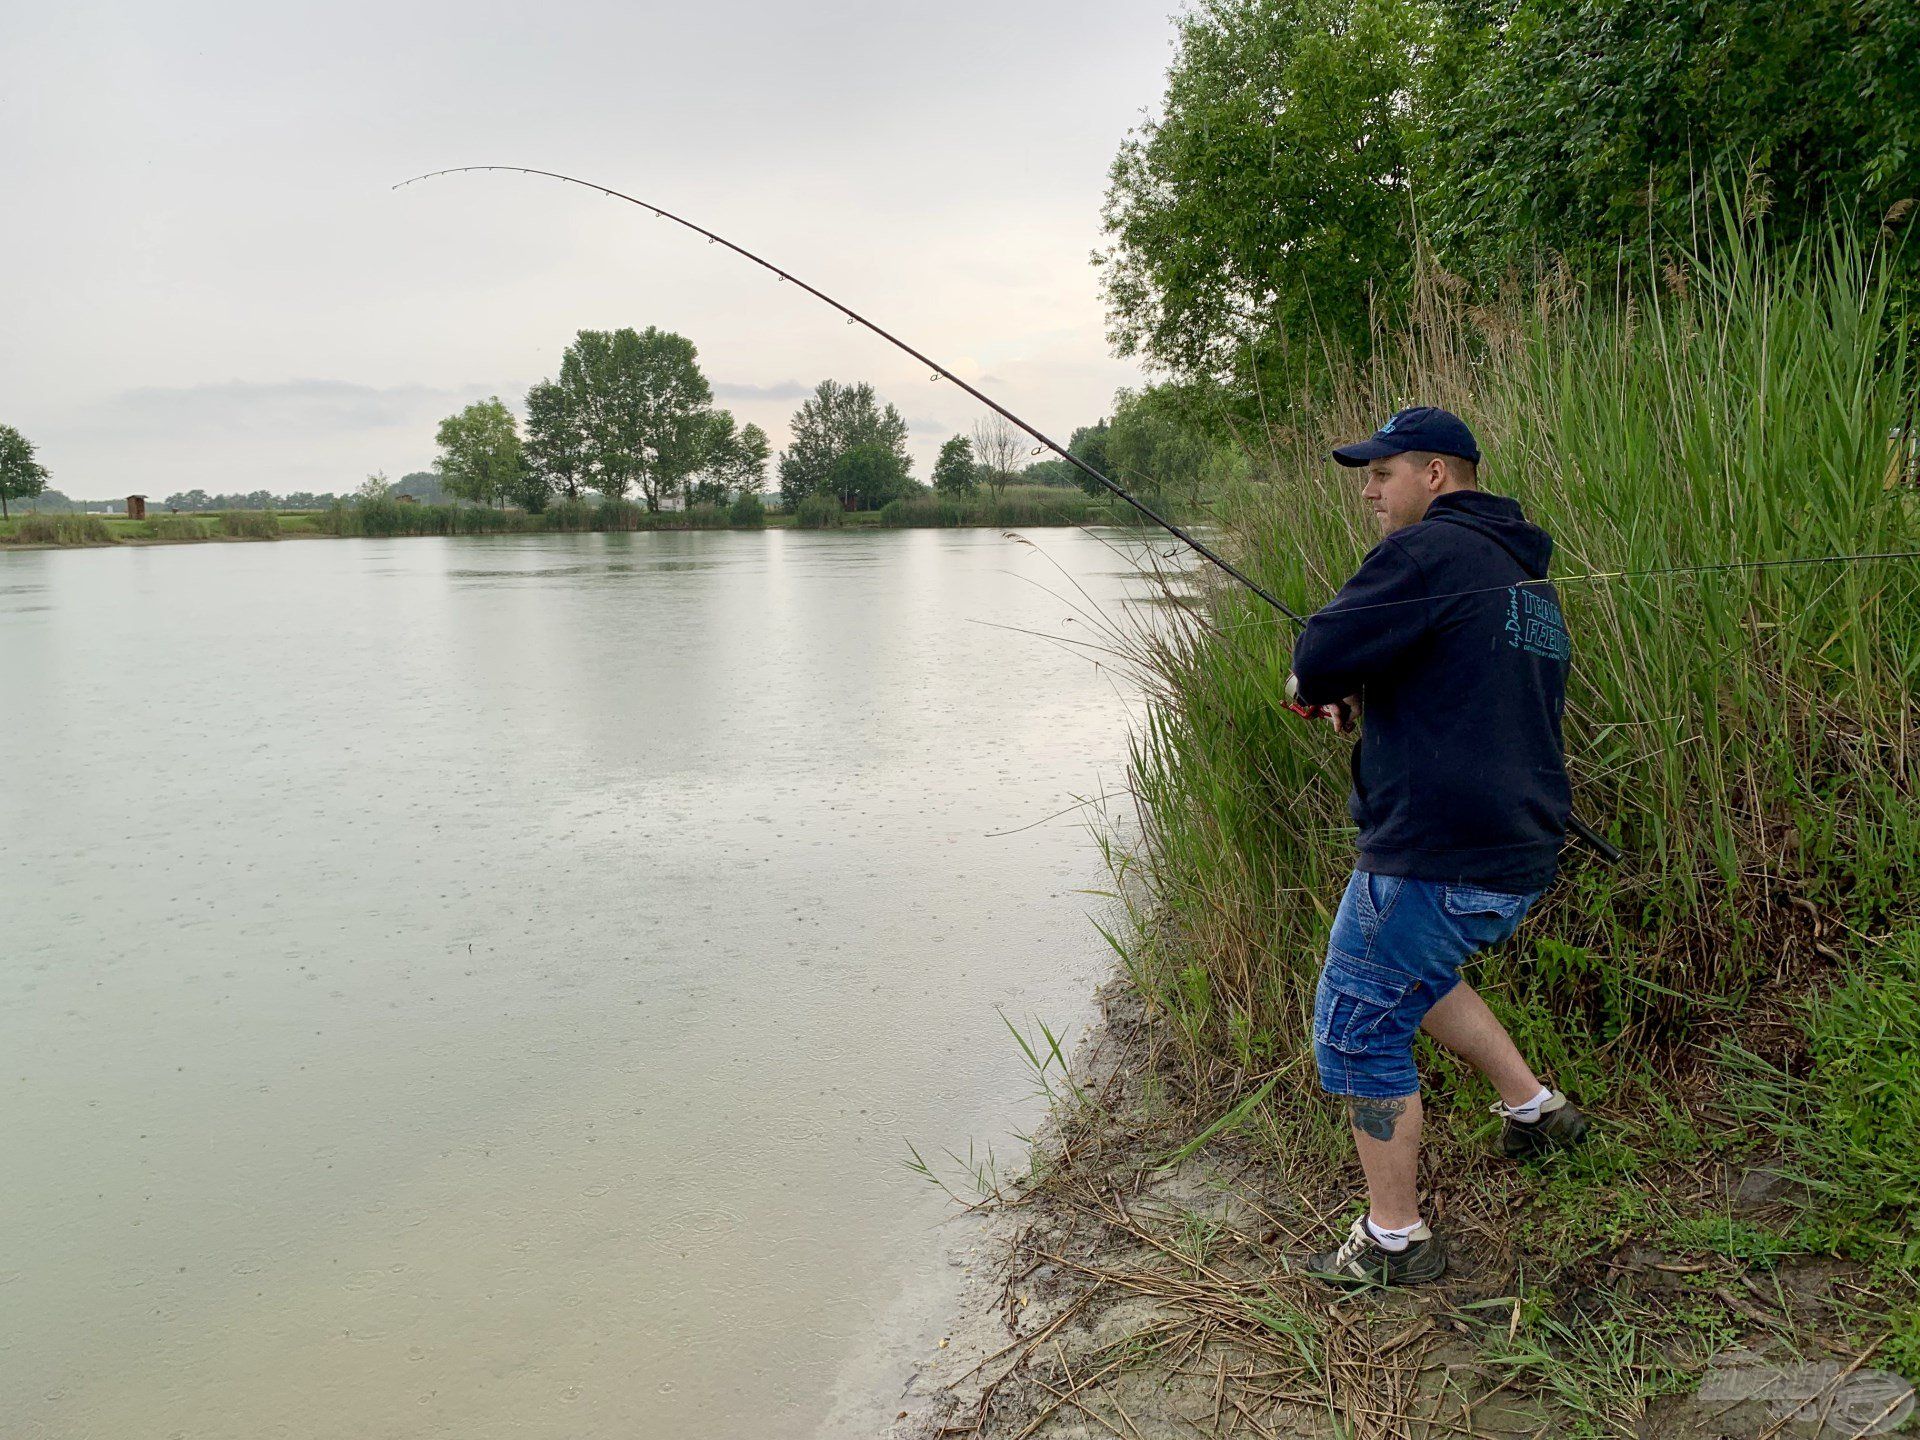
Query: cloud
779	390
278	407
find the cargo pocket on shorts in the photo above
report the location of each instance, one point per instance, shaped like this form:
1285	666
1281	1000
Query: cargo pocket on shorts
1471	900
1484	917
1354	999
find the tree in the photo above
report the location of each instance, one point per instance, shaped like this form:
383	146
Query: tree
644	409
953	471
867	477
1268	202
746	465
1089	442
835	419
1584	130
1151	444
735	463
1000	448
21	476
480	457
423	485
557	446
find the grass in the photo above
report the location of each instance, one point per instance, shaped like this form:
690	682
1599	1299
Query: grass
250	525
1744	990
60	530
819	512
1849	1109
181	527
71	529
1748	737
1026	505
1012	505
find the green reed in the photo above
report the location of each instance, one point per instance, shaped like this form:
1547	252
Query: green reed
386	515
1749	737
1013	505
180	527
250	524
61	530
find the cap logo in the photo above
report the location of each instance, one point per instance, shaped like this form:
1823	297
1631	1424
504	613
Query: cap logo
1387	429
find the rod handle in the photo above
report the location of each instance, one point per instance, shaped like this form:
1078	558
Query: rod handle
1592	838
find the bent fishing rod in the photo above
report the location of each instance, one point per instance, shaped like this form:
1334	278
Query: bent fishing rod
1586	833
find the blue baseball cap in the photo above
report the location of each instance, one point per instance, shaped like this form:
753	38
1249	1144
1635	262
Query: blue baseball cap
1424	427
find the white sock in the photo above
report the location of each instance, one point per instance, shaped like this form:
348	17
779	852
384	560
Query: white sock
1528	1113
1392	1241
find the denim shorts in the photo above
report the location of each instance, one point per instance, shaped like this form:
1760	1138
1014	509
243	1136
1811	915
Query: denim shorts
1396	949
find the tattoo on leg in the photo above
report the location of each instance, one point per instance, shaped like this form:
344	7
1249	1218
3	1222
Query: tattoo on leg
1376	1118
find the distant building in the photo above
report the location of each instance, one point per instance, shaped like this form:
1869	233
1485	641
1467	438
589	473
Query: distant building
136	507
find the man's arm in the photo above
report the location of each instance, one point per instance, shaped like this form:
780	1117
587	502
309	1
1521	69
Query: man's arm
1349	641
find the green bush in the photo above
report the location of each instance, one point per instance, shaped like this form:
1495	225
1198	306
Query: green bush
747	512
62	530
699	517
1749	736
819	512
250	524
927	510
618	515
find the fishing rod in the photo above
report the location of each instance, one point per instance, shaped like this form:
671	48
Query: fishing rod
854	317
1606	849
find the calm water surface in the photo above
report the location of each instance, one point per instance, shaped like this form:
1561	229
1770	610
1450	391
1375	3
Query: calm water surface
484	987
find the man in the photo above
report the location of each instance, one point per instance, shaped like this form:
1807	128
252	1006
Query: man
1456	658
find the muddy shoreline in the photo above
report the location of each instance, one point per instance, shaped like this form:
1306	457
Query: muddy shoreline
1129	1290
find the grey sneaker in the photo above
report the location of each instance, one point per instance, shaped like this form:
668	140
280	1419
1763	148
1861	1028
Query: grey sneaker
1560	1126
1361	1261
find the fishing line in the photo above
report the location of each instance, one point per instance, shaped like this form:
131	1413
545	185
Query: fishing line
1862	558
1578	827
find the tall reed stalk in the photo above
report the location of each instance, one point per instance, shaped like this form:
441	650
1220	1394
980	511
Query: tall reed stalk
1749	737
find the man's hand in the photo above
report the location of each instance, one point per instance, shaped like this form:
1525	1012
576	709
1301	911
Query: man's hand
1343	715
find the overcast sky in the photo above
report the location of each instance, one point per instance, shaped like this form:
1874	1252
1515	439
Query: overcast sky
206	280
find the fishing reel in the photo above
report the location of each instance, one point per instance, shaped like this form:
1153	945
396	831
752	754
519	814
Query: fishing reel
1340	712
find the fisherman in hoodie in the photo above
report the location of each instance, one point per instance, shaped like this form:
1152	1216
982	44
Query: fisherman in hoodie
1450	649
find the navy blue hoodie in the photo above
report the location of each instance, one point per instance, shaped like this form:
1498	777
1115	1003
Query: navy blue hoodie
1460	777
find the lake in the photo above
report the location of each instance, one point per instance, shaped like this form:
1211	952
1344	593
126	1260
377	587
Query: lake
488	986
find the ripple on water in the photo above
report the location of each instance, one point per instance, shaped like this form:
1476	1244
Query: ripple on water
704	1224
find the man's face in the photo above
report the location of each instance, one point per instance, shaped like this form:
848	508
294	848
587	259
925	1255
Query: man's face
1399	489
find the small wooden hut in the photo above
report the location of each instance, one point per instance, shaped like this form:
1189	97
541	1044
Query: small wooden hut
136	507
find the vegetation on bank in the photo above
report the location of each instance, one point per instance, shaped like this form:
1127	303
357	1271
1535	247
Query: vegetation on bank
66	528
1017	505
1741	990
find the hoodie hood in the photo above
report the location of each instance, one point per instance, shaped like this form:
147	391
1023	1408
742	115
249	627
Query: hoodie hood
1501	520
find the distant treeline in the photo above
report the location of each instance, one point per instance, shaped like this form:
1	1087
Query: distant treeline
371	514
632	414
422	485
